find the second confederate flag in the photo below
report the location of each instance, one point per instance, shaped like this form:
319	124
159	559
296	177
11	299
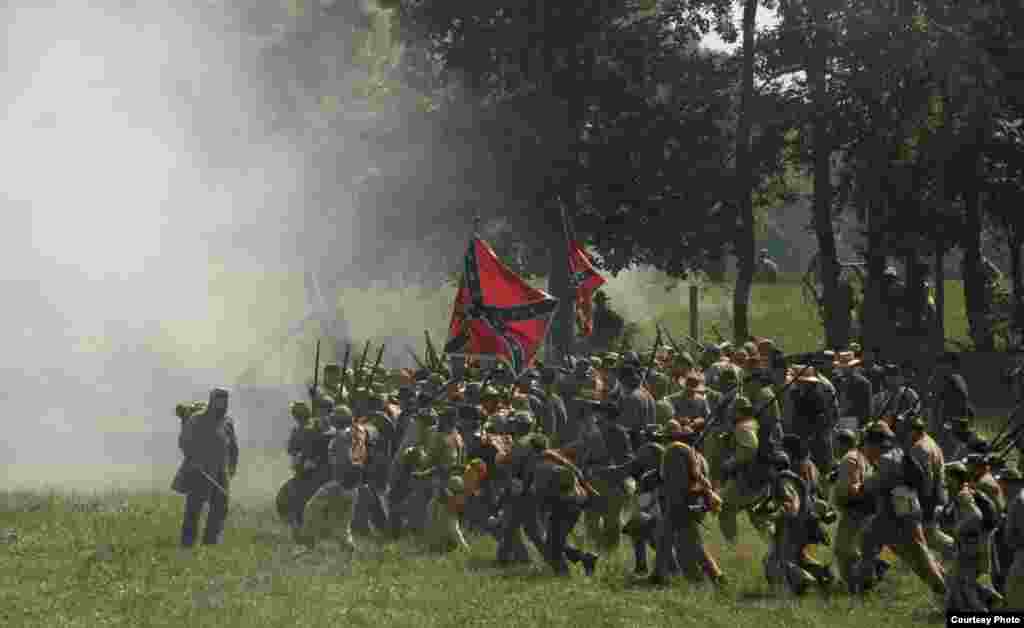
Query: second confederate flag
496	312
585	281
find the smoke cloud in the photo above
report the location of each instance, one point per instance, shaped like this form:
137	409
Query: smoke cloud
153	224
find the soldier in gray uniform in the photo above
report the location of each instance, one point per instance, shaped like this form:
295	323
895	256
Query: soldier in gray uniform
211	458
636	406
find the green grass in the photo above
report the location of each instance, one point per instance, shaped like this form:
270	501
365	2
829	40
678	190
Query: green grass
111	559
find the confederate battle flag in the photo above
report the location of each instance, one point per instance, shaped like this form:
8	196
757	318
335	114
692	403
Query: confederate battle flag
496	312
585	280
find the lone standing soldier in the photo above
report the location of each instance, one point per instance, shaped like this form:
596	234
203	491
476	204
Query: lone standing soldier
210	447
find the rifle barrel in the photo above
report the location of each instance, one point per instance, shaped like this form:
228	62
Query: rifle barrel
344	364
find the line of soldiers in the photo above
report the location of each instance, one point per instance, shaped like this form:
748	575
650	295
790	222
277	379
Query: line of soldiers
650	449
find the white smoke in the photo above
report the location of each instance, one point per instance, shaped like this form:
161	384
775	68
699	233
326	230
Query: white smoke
149	218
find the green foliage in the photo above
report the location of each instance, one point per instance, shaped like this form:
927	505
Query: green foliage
646	142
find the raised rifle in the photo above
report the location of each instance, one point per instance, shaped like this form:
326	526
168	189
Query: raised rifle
671	340
345	384
1008	436
700	345
416	359
376	364
316	379
650	360
432	358
360	370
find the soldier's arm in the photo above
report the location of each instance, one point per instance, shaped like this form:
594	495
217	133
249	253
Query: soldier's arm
232	447
790	498
185	438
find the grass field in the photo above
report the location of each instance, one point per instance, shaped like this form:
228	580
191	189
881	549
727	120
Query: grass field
111	559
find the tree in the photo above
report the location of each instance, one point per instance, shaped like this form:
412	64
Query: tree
805	40
639	163
745	243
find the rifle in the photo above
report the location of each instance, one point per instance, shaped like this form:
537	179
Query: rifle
1006	437
715	419
1006	448
432	358
362	366
700	345
671	340
344	366
316	378
654	352
416	359
888	404
1006	445
212	481
756	413
376	364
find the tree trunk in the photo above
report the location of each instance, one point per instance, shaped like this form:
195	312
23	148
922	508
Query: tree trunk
745	243
915	297
1016	241
837	325
939	330
564	330
874	322
975	293
974	278
561	334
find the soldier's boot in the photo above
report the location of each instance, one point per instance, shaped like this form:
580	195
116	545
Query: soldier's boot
589	560
882	567
711	567
991	598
